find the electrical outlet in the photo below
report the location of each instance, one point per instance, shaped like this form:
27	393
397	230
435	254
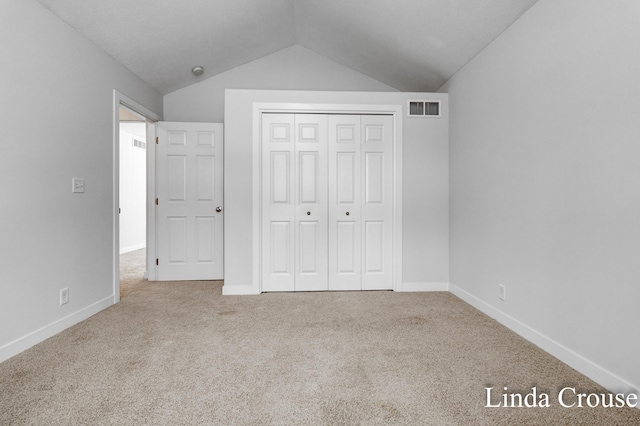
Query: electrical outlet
502	292
64	296
77	185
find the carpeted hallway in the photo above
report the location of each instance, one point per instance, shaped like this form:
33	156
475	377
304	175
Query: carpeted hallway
181	353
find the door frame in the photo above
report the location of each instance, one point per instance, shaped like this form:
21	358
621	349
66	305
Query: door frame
395	111
119	99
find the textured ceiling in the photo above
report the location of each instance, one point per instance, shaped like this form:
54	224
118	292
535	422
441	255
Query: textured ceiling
412	45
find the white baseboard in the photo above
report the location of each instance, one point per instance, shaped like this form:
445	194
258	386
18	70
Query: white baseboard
237	290
406	287
124	250
593	371
423	286
25	342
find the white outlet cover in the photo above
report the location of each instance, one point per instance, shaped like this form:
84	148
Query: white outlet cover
64	296
77	185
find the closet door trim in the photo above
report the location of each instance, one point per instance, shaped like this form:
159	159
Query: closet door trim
293	108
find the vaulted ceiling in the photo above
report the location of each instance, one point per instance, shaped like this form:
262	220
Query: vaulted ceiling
412	45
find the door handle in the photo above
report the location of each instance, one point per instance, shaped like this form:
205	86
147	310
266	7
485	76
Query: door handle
308	213
218	209
347	213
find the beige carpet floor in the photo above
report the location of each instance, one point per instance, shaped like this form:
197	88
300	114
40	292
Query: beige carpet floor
179	353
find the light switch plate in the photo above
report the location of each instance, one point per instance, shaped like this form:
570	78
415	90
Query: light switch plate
77	185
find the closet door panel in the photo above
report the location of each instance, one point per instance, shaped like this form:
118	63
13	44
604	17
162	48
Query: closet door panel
311	213
345	198
278	209
374	247
346	178
280	249
346	256
377	203
373	178
280	177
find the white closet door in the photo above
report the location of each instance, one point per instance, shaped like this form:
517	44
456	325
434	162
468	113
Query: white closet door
345	199
278	212
377	202
310	183
327	202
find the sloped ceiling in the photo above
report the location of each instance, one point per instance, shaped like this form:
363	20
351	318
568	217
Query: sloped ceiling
412	45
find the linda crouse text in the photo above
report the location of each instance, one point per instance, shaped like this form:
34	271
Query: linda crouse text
567	397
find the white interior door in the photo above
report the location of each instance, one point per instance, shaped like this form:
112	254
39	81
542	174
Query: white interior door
189	188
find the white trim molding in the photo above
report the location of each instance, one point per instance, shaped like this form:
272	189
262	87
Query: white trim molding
423	286
135	247
118	100
593	371
25	342
237	290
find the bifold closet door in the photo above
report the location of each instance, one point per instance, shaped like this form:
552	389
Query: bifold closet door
294	202
345	198
327	202
360	202
310	198
377	202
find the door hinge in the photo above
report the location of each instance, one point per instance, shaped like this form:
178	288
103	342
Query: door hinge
156	201
119	210
156	262
156	140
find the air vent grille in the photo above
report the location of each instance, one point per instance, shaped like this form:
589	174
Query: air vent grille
423	109
139	144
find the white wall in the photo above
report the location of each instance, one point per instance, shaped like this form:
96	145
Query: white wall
292	71
57	123
425	183
545	183
293	68
133	187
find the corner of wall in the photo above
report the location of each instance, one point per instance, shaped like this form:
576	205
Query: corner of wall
595	372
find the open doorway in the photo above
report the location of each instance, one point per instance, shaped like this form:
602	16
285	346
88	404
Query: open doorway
137	133
132	198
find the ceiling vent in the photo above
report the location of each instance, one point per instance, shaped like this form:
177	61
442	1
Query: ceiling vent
423	109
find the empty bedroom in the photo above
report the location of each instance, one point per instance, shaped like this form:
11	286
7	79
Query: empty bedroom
346	212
